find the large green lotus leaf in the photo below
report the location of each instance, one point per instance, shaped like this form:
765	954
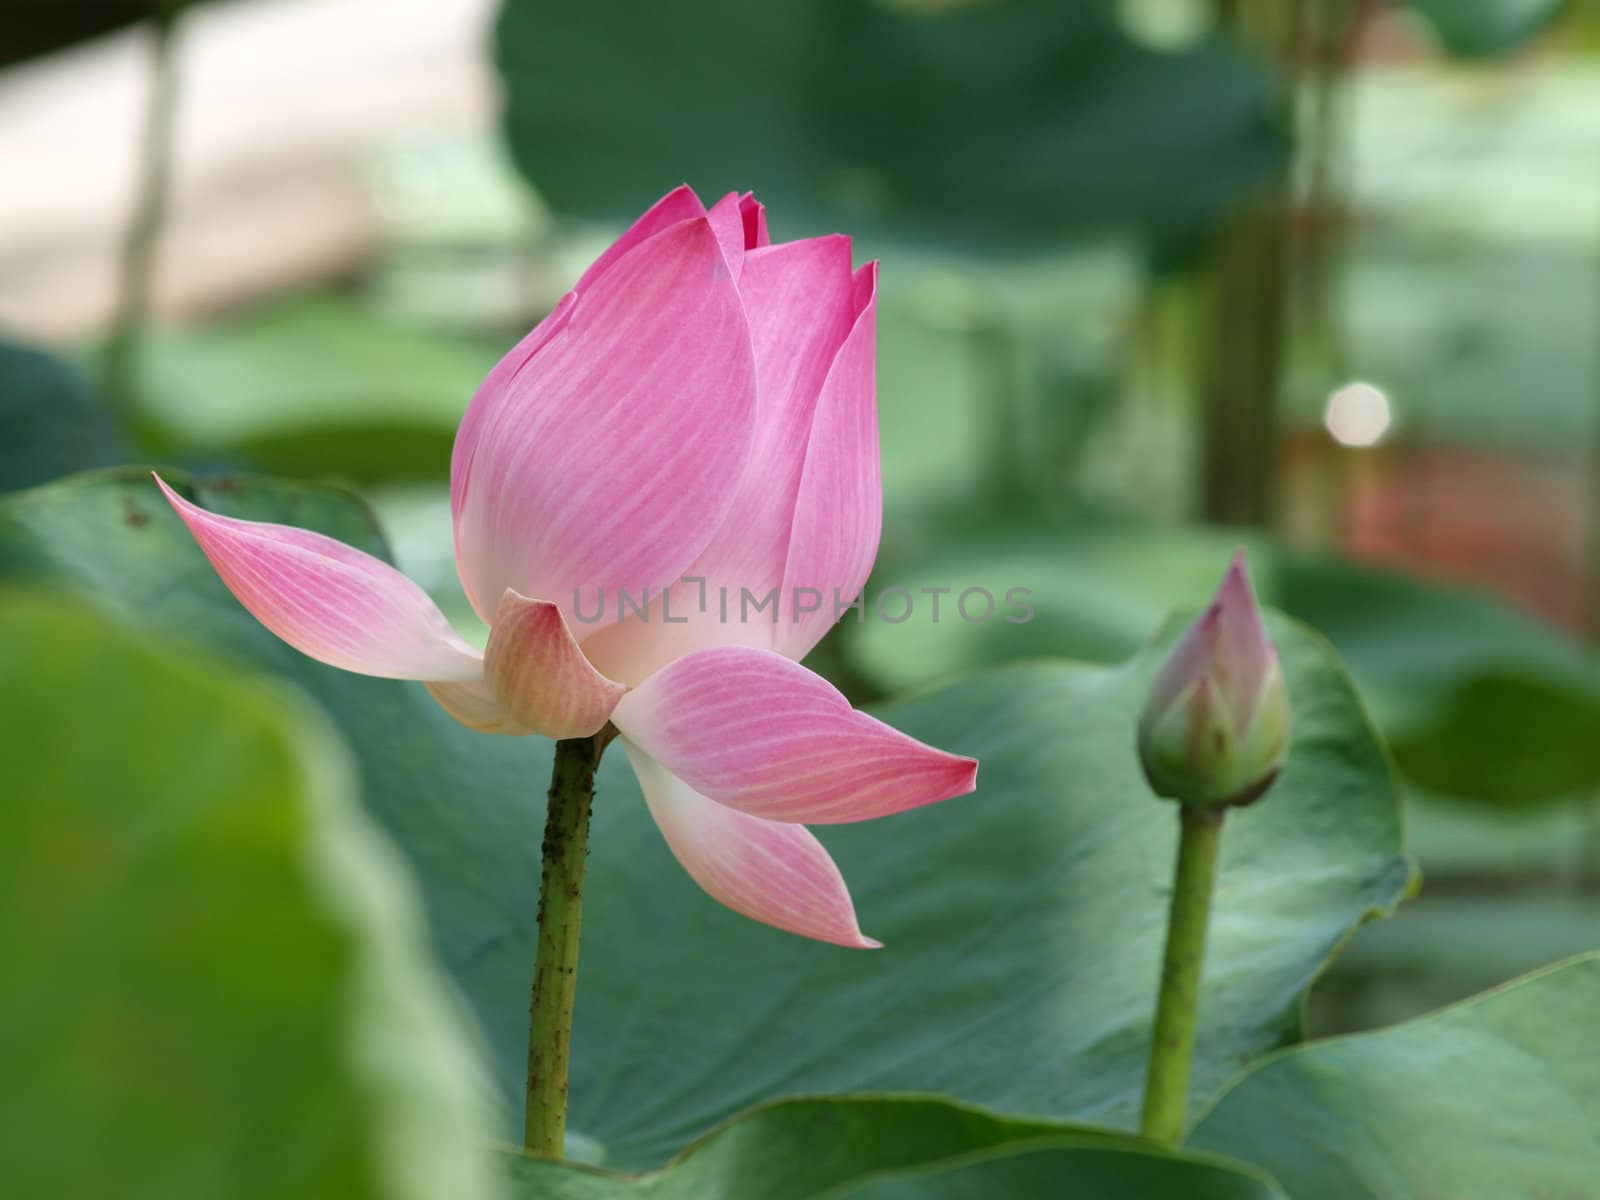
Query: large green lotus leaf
1507	892
1452	942
51	422
1086	1172
1023	923
1497	1096
215	977
902	1146
1004	123
1487	28
466	809
1475	699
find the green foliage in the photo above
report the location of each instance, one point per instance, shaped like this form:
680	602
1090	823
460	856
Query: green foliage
1002	124
465	808
1499	1096
51	422
1085	1171
901	1146
315	384
1475	700
215	985
1487	28
1023	923
1450	943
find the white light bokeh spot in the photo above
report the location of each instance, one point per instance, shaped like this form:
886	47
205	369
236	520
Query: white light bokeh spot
1357	414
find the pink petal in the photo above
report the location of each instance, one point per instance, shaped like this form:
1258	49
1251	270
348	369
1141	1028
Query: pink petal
610	460
1244	653
759	733
542	680
483	402
329	600
475	705
727	220
799	300
680	204
771	871
839	511
1187	663
1228	643
755	222
798	297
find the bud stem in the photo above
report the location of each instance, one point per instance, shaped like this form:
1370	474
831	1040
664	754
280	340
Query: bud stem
555	974
1166	1090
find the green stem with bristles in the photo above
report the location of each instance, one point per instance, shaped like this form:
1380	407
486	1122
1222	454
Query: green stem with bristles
555	973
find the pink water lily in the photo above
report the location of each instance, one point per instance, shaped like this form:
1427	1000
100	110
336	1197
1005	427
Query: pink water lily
695	420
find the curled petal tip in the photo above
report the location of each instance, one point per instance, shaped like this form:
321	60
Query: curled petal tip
755	222
727	220
966	771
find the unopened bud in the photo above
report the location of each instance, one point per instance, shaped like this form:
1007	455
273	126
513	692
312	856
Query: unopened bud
1216	724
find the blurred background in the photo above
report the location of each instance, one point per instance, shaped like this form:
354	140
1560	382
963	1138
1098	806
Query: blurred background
1161	277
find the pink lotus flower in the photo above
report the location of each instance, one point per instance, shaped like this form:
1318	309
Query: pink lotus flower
696	417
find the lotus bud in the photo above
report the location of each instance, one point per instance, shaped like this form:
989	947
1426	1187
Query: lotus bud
1216	724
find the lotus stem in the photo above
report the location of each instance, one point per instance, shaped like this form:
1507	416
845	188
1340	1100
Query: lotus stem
555	975
1166	1091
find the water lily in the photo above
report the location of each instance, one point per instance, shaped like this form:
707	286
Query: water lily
694	421
1215	727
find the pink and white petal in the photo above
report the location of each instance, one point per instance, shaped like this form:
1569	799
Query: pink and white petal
542	680
680	204
755	222
329	600
838	514
727	220
774	872
799	299
760	733
611	459
475	705
695	613
484	400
